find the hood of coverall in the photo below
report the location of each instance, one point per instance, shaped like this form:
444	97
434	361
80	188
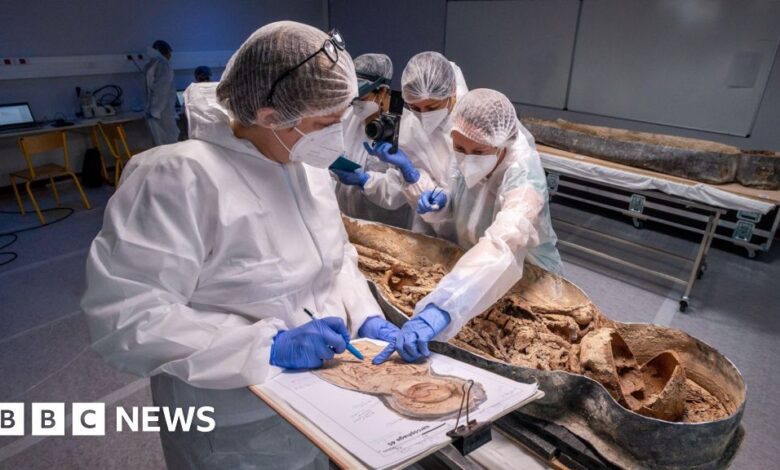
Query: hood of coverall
210	121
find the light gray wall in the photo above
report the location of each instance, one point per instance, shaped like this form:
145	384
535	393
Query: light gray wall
697	64
523	49
504	45
764	136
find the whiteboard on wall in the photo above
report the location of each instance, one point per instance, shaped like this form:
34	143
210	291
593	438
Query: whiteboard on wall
521	48
698	64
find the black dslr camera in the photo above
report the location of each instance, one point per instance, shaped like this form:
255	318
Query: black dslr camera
385	128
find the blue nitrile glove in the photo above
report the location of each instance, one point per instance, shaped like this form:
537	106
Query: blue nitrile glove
412	341
426	203
352	178
307	346
381	329
399	159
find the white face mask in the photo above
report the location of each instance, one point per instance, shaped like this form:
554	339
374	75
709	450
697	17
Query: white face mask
475	167
319	148
431	120
364	109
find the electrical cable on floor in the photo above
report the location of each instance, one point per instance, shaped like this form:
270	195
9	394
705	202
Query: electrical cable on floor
14	234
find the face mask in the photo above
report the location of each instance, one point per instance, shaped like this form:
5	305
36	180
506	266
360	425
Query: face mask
364	109
431	120
475	167
319	148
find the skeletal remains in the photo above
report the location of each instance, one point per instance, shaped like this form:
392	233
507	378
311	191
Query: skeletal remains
525	328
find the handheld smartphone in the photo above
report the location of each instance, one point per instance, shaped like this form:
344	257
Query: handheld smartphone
344	164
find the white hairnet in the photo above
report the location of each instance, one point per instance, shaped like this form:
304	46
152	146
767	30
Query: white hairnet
486	117
378	65
317	88
428	76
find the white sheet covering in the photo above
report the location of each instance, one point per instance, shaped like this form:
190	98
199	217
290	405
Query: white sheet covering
702	192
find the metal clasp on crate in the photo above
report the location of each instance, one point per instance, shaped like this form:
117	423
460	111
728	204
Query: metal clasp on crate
746	223
552	182
754	217
637	203
743	231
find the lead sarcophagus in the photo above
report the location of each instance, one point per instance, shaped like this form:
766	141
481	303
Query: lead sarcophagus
700	160
759	169
643	396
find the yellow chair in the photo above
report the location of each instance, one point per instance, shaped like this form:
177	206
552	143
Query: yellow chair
41	143
116	140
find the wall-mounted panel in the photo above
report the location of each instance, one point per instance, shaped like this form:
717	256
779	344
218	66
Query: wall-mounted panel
521	48
698	64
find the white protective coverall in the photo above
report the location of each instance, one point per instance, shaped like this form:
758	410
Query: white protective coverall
160	99
207	250
430	154
373	204
502	220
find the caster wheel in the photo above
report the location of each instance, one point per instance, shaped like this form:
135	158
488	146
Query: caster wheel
683	305
751	254
638	224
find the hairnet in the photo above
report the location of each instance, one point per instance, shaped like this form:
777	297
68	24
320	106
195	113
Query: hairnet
317	88
486	117
428	75
162	47
378	65
373	72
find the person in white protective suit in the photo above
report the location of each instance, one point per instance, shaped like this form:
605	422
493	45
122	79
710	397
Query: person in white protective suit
160	95
211	248
497	209
431	85
360	193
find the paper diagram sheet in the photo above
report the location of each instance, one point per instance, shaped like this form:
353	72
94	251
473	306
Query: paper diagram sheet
378	436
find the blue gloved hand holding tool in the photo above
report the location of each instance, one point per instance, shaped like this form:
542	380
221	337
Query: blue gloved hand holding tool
431	201
309	345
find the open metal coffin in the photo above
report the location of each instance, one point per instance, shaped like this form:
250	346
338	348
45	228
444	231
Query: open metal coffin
403	266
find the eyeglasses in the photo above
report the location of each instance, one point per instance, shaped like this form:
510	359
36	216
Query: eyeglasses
330	48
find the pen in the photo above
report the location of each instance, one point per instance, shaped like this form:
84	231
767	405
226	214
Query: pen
433	195
355	352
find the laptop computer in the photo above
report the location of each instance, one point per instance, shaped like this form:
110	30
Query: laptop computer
180	98
16	116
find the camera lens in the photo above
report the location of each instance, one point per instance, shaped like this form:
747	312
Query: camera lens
375	129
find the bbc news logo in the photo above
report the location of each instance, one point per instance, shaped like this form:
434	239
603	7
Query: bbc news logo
89	419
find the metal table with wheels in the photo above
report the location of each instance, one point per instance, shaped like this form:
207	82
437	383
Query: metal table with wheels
644	195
